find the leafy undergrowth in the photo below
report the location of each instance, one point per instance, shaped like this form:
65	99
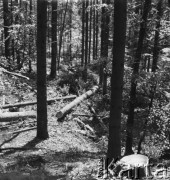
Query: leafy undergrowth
66	154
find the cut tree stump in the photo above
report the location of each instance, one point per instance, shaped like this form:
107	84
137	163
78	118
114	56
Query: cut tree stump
35	102
10	116
79	99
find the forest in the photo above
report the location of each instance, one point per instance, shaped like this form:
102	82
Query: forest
85	89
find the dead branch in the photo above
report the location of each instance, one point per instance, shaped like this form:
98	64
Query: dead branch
86	126
97	118
69	106
14	148
83	132
86	115
49	101
15	74
23	130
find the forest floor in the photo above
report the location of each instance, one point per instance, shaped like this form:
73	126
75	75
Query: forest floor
72	150
66	154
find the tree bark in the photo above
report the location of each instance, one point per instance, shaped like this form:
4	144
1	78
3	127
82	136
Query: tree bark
90	29
97	32
54	39
83	17
135	74
114	144
70	46
13	44
30	39
61	34
104	45
156	41
78	100
10	116
86	43
48	30
42	129
49	101
94	29
7	24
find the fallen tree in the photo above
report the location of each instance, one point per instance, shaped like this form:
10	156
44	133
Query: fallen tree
69	106
49	101
10	116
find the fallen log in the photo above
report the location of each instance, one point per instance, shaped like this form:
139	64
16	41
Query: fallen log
69	106
10	116
35	102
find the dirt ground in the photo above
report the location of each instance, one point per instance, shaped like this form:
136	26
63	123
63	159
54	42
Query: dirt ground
66	154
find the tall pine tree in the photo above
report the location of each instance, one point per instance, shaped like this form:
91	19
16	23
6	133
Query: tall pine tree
114	145
42	129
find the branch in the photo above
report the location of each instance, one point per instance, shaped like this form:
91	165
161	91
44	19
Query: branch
15	74
23	130
86	126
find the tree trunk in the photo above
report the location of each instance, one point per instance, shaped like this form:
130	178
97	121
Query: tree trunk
90	29
13	44
130	120
104	45
17	49
61	34
94	29
97	32
30	39
70	47
10	116
83	17
68	107
48	30
42	129
86	44
114	144
7	24
24	36
54	38
2	48
156	41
